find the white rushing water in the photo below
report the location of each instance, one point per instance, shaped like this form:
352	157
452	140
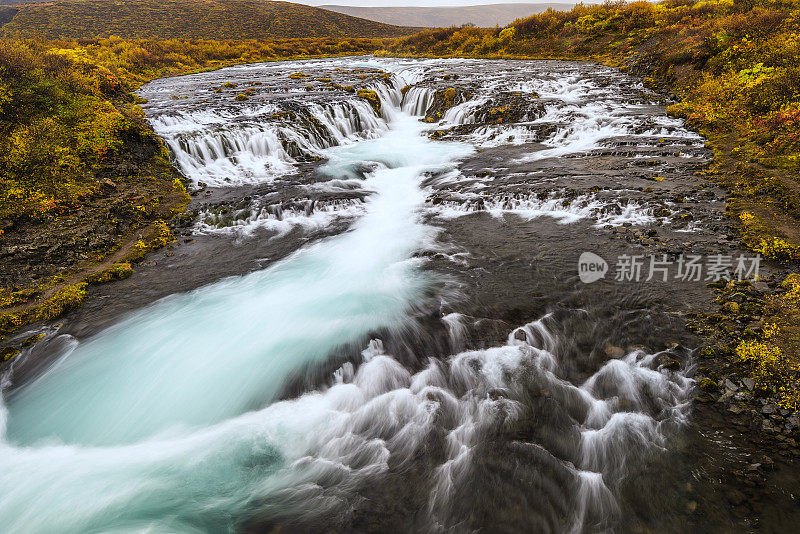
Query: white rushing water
140	396
221	365
244	147
171	421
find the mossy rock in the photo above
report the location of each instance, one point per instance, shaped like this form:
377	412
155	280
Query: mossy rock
444	100
32	340
372	98
67	298
118	271
731	307
8	353
661	212
670	364
708	385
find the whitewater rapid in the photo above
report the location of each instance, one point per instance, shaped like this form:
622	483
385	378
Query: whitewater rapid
138	408
177	418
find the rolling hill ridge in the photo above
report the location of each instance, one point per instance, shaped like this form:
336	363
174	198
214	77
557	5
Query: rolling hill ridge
191	19
485	16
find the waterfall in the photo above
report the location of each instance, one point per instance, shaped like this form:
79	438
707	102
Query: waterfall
247	146
417	100
244	405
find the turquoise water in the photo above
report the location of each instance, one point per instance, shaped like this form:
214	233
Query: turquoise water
170	420
167	420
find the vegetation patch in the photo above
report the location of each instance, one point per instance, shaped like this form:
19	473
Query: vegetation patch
65	299
156	237
188	19
372	98
118	271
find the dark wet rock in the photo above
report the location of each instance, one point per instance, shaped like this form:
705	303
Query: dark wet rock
508	108
768	409
735	497
708	385
769	426
669	362
444	99
761	286
793	422
730	386
8	353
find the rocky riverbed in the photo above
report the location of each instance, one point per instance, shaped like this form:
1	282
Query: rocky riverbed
477	382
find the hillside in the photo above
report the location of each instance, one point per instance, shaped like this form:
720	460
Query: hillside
192	19
485	16
6	14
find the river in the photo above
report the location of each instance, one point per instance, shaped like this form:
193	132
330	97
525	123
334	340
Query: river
376	322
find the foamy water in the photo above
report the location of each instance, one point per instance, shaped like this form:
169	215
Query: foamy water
172	420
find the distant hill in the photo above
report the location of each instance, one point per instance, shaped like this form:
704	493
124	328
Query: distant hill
192	19
486	16
6	14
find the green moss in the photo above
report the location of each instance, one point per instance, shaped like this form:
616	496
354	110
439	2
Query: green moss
65	299
706	384
371	97
8	353
118	271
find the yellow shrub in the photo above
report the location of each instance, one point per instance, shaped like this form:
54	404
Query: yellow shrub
777	248
118	271
65	299
157	237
